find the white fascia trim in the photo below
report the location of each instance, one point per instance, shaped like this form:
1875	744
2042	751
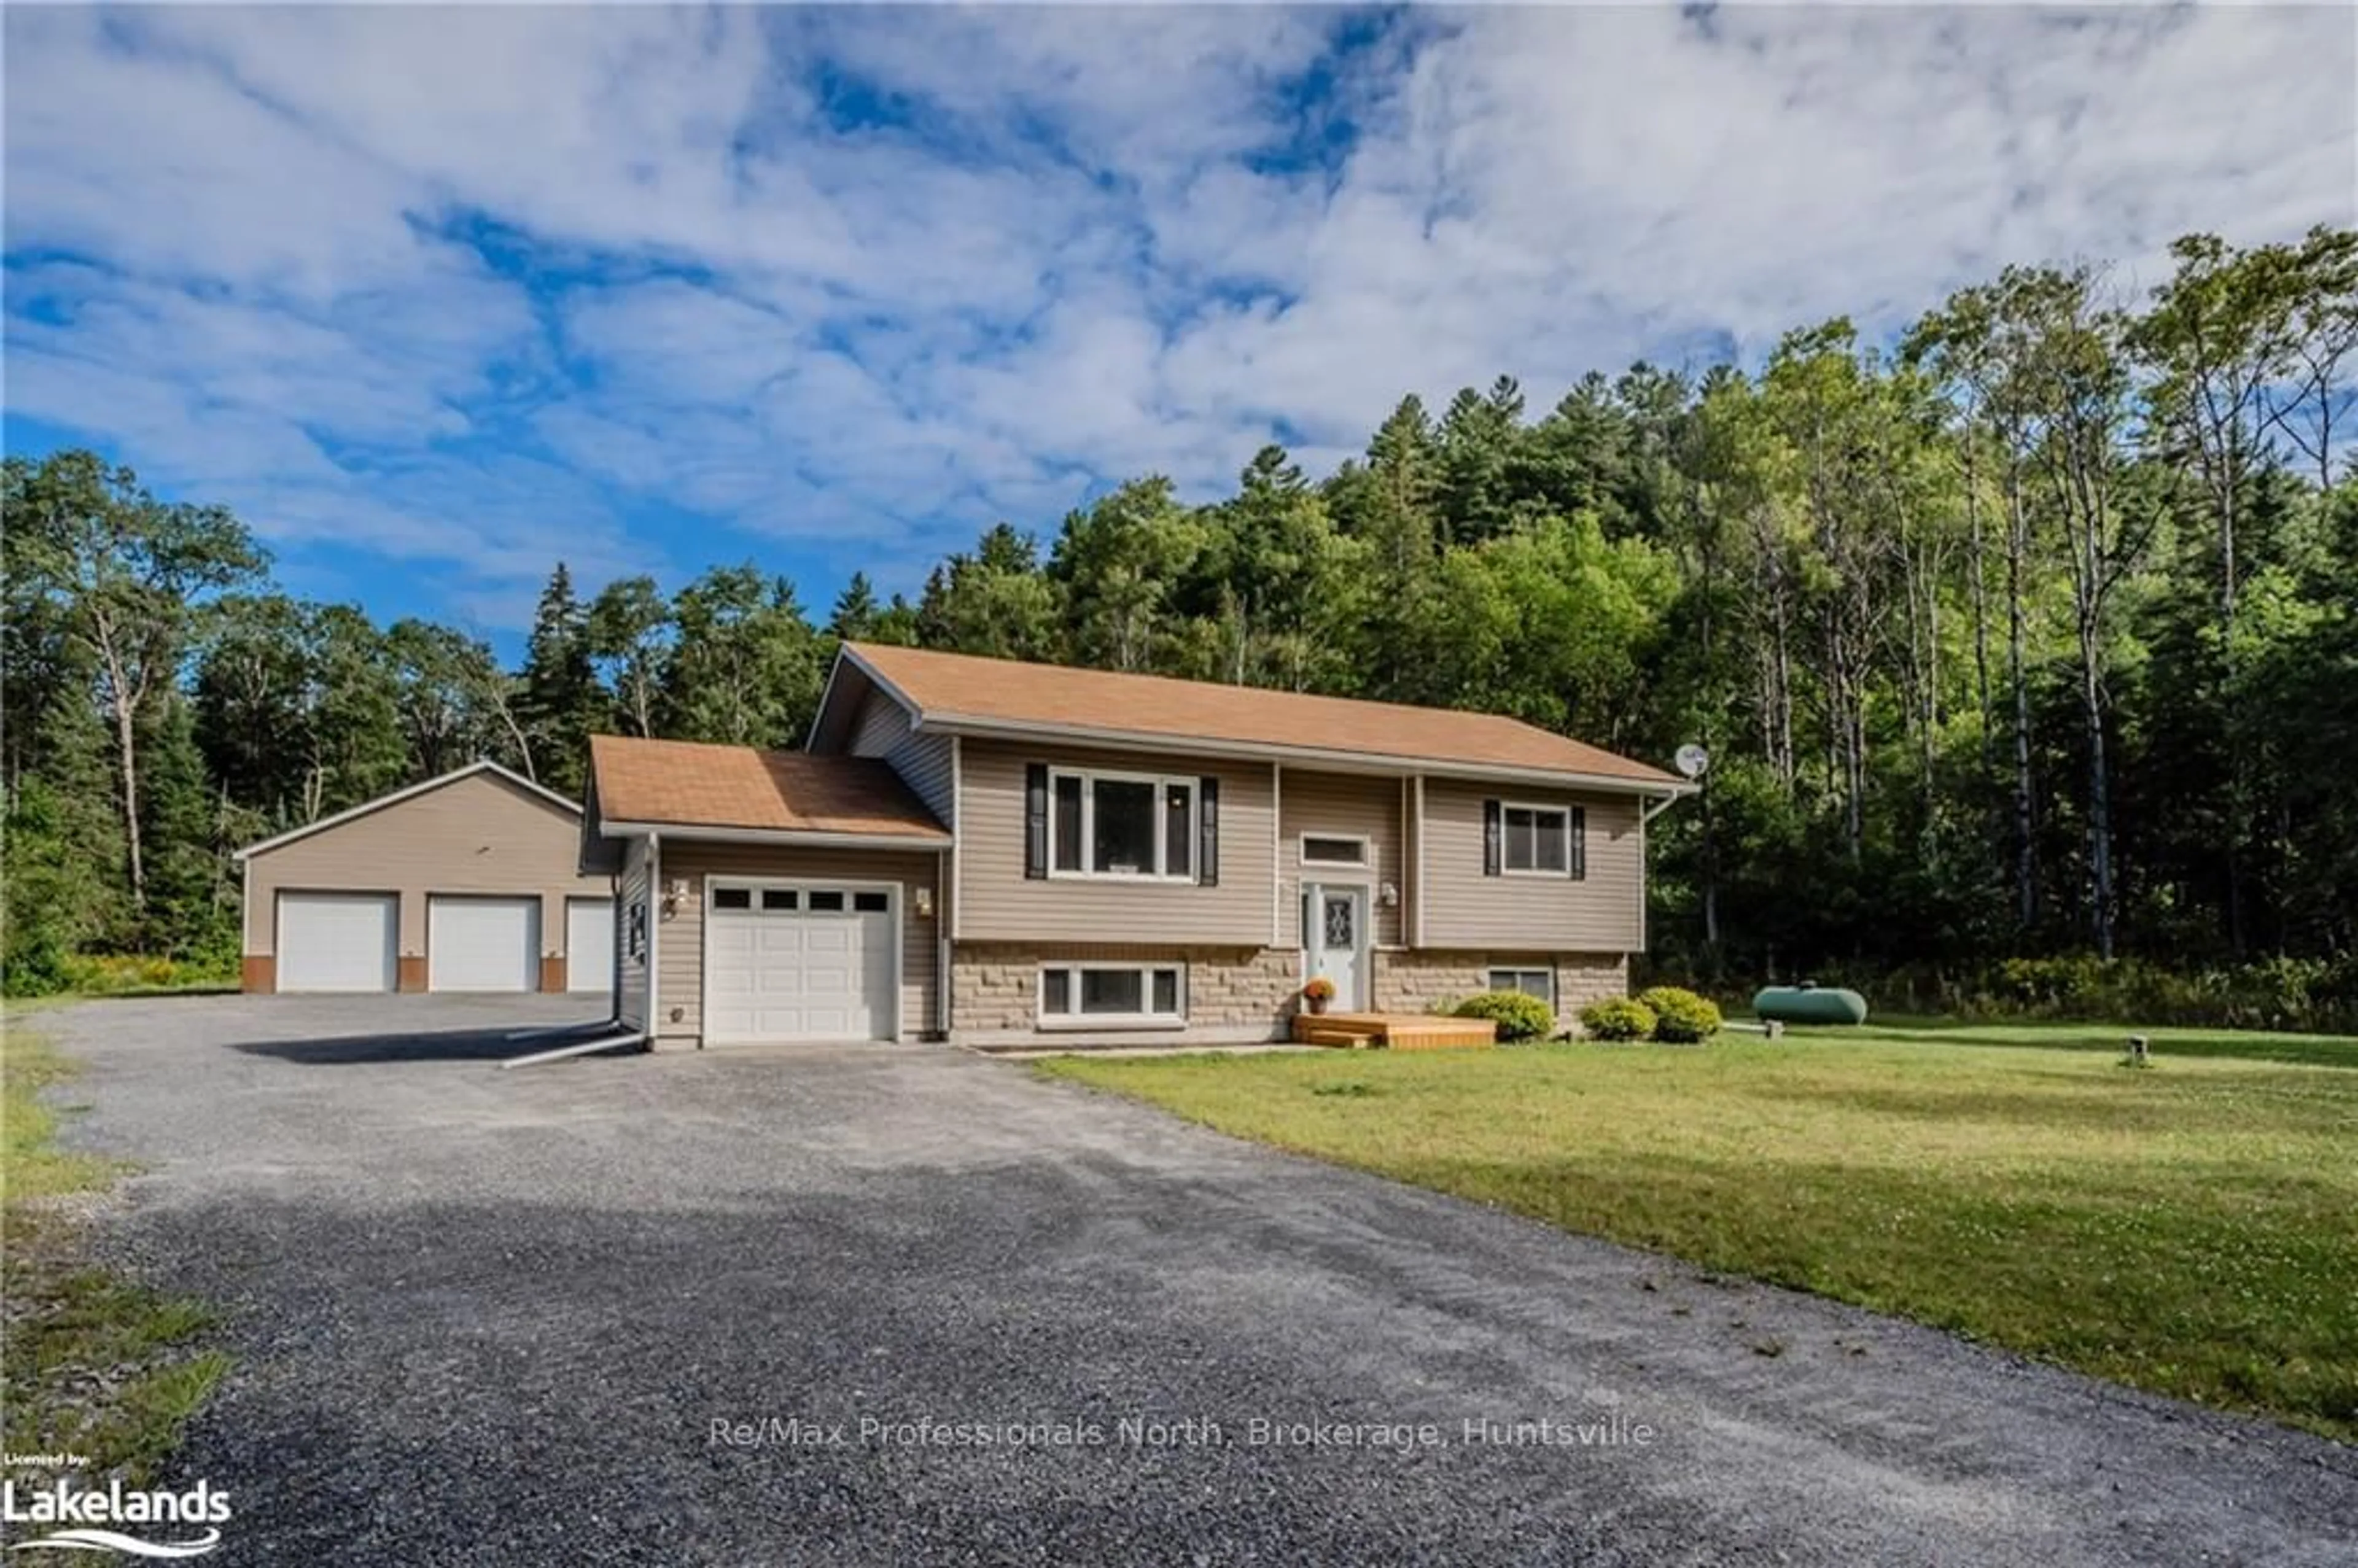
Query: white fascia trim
397	796
826	695
811	838
1343	761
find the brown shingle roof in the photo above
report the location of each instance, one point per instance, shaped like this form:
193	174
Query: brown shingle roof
689	783
948	688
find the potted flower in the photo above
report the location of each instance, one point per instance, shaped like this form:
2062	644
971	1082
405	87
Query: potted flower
1318	993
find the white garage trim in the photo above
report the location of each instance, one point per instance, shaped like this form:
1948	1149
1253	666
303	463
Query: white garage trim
349	913
483	942
895	914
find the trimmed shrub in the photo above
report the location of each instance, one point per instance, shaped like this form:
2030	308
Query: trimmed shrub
1681	1017
1518	1016
1617	1017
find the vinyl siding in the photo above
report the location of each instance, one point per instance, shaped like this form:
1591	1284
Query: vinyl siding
478	834
922	761
1351	806
1604	913
1002	904
679	952
630	999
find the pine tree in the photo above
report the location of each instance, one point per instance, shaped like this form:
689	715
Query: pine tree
560	703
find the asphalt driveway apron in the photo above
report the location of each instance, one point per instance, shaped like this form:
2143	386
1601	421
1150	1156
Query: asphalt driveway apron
900	1304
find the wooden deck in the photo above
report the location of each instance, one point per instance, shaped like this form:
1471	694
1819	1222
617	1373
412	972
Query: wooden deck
1397	1031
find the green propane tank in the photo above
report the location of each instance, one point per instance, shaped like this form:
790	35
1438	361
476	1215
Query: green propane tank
1807	1003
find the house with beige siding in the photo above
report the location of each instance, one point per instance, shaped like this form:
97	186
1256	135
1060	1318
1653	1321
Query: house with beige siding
998	853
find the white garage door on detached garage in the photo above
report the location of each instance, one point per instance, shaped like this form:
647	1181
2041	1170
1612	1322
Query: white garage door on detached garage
337	941
475	944
589	944
800	961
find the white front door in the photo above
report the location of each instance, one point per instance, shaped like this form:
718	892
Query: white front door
1334	929
475	944
589	944
799	961
337	941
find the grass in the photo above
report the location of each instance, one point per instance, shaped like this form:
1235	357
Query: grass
90	1362
2187	1230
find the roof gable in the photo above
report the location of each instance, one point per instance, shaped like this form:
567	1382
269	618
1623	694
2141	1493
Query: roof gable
442	781
962	689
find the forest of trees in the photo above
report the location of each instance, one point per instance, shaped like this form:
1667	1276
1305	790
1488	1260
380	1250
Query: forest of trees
2030	634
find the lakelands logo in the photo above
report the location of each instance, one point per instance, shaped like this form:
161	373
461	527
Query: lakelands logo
90	1514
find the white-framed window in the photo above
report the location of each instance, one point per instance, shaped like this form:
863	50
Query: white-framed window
1540	983
1536	841
1136	826
1337	850
1089	995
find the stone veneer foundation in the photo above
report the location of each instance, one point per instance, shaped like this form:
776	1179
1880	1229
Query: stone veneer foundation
1233	993
1415	981
1237	994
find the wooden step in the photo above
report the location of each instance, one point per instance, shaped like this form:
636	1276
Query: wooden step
1408	1031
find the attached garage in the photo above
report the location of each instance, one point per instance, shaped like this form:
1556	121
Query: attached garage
770	896
338	941
472	882
788	961
475	943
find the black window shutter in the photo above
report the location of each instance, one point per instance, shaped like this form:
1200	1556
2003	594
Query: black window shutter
1207	830
1579	843
1493	836
1035	820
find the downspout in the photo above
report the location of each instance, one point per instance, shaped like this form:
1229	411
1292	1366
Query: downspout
1418	911
1646	814
654	935
942	944
1276	853
955	887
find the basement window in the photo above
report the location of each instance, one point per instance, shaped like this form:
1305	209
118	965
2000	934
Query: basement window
1540	983
1087	996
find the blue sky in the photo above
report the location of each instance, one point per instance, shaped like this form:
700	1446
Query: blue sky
436	297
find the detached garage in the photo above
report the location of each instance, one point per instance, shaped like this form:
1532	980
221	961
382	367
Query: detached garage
466	882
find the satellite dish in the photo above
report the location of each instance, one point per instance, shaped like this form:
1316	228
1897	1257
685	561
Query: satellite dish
1693	760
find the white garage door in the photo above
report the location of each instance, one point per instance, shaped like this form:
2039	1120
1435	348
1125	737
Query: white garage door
805	961
482	944
589	944
337	941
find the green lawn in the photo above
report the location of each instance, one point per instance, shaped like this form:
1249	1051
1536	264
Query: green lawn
89	1362
2190	1228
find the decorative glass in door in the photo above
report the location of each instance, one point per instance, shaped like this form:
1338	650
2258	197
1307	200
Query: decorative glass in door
1342	909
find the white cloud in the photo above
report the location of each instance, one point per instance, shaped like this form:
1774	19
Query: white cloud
487	285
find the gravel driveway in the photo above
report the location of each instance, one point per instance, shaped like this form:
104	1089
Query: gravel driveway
692	1309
